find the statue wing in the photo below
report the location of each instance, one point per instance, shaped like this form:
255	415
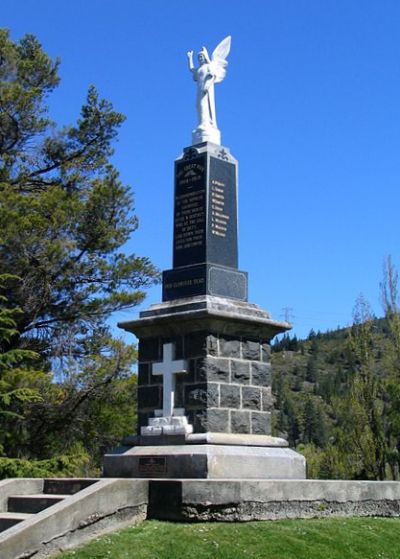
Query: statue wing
218	62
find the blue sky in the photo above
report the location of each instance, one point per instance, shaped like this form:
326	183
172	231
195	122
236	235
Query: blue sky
310	107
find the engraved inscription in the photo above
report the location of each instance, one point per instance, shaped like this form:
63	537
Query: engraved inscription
189	174
190	212
184	283
188	281
152	465
222	214
189	220
219	217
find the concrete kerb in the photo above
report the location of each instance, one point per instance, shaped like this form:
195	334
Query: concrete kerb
246	500
110	504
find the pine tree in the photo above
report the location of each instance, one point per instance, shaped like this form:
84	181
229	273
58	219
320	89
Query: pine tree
18	381
314	424
64	214
64	218
312	368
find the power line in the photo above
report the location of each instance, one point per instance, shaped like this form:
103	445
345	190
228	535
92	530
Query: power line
287	314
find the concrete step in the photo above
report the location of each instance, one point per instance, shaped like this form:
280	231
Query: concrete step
8	519
99	508
32	503
66	486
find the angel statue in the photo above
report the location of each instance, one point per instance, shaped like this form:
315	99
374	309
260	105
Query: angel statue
206	75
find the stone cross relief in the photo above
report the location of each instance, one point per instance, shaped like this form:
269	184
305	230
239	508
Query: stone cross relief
168	423
168	369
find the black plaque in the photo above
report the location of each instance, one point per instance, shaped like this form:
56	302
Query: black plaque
184	282
152	465
225	282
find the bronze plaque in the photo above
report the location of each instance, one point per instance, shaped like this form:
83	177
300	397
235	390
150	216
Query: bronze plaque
153	465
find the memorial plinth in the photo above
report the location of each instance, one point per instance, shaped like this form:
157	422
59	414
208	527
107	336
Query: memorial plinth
204	374
225	394
225	344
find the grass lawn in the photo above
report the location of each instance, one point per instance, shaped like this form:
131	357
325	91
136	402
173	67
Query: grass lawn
347	538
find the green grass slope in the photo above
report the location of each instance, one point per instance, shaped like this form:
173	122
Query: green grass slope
349	538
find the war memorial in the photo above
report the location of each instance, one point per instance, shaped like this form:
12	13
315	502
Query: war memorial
203	449
204	395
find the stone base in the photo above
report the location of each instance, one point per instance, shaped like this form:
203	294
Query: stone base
209	461
167	426
232	439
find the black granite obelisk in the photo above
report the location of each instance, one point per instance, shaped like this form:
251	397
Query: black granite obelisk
205	246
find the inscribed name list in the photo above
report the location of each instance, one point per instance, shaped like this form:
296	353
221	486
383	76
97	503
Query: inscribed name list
222	215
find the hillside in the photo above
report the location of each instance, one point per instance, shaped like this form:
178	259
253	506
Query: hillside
335	400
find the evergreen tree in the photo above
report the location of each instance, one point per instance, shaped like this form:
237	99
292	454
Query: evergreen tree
362	408
297	372
312	368
18	380
294	344
292	422
64	218
390	301
64	214
314	424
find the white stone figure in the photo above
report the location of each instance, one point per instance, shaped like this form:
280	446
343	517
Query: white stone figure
209	72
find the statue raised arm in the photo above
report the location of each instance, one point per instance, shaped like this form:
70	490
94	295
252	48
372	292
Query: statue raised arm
209	72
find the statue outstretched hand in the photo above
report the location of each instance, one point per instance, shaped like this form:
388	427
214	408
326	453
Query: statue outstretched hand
190	60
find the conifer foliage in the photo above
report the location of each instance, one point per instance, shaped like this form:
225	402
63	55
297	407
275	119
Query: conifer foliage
64	218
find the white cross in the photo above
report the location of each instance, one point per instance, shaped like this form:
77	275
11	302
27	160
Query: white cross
169	368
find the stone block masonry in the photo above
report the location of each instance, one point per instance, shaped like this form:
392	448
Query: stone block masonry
227	387
225	345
